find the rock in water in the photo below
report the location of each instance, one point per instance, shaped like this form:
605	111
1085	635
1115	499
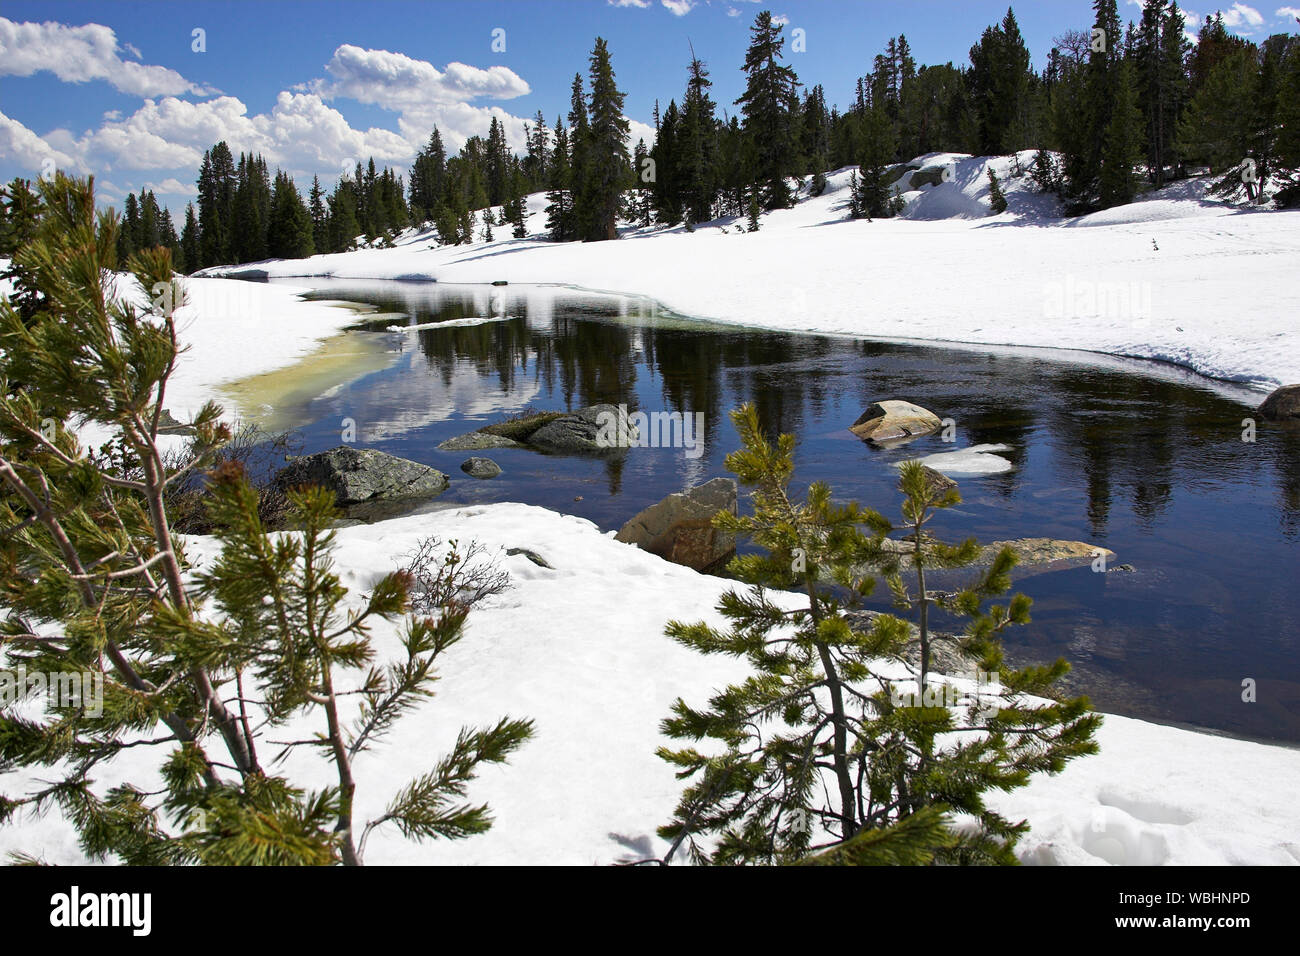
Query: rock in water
480	467
679	528
588	431
1282	404
894	422
476	441
363	474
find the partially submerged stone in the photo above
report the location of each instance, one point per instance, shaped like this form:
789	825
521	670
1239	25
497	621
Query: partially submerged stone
1282	404
680	527
357	475
480	467
892	422
477	441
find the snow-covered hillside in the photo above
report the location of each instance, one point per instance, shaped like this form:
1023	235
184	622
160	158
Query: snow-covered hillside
580	648
1174	277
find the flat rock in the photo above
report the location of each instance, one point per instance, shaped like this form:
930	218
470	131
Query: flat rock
893	422
480	467
477	441
357	475
1035	554
680	527
1282	404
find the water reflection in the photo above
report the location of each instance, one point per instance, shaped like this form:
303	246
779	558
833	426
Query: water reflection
1146	460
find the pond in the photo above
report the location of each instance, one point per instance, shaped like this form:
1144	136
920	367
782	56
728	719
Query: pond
1143	459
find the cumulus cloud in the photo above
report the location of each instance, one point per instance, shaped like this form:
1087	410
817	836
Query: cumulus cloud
83	54
678	8
24	147
1240	15
397	82
780	20
1289	13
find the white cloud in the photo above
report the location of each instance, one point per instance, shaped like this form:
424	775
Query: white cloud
28	150
637	130
396	81
780	20
732	12
642	4
678	8
82	54
1240	15
1288	13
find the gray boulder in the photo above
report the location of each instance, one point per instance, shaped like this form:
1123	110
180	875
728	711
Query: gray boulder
1282	404
480	467
894	422
679	528
358	475
596	430
477	441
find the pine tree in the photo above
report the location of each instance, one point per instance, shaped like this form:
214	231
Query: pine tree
669	204
20	216
753	210
92	552
428	183
559	208
190	239
997	199
606	169
824	746
320	227
487	225
872	196
697	145
290	233
344	228
1122	146
579	147
770	106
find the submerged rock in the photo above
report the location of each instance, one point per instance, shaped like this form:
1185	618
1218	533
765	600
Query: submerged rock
477	441
680	527
1282	404
1035	555
480	467
596	430
358	475
893	422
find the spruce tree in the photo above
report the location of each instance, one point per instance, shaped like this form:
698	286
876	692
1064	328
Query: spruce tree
842	746
319	217
559	199
770	106
201	668
997	199
190	239
290	231
579	147
606	171
698	145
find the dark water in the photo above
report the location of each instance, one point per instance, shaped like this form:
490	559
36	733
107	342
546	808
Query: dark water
1140	458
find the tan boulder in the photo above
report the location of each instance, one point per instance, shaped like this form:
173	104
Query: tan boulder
680	527
893	422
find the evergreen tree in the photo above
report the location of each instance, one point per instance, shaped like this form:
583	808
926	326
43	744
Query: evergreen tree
20	216
428	183
190	254
128	237
669	204
487	225
537	162
92	552
997	199
579	147
498	163
320	226
824	746
872	196
606	170
753	210
770	107
698	145
344	227
290	232
1122	146
559	208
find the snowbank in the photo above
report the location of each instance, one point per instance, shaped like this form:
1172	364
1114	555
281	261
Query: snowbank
1175	277
580	649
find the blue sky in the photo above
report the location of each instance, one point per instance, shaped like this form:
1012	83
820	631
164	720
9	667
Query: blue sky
117	88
